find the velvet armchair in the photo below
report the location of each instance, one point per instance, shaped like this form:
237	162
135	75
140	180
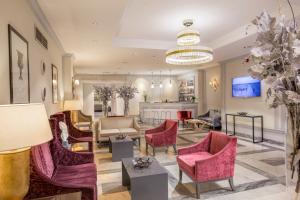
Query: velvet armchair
164	135
64	172
210	160
183	115
75	135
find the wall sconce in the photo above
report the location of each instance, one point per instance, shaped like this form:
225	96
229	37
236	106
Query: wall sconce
214	84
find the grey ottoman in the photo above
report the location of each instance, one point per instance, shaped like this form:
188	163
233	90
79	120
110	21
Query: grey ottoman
121	148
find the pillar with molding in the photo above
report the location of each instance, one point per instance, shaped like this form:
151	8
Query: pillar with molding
68	67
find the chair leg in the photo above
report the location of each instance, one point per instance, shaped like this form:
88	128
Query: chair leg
153	151
147	148
231	183
180	176
167	149
174	147
139	142
198	190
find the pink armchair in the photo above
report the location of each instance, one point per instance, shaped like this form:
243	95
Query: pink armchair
210	160
164	135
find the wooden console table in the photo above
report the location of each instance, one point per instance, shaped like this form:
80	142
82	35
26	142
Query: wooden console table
253	117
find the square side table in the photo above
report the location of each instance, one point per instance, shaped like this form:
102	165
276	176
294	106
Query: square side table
121	148
147	184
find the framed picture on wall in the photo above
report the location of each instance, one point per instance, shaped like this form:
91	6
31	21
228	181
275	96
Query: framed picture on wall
18	67
54	84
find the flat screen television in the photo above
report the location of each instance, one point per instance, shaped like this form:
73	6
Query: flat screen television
246	87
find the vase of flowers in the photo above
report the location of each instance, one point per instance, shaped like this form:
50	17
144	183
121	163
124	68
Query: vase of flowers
276	58
105	95
126	93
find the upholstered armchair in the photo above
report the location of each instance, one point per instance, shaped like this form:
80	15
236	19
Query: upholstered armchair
86	136
210	160
65	172
164	135
183	115
82	118
213	117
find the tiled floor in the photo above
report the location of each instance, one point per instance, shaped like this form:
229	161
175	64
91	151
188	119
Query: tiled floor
259	173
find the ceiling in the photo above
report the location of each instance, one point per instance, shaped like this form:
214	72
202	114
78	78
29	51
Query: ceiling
131	36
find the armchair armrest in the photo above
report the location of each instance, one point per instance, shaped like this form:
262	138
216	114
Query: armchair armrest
79	133
66	157
85	117
201	146
204	115
221	165
136	125
156	130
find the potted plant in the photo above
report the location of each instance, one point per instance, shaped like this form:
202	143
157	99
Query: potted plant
126	93
105	95
276	58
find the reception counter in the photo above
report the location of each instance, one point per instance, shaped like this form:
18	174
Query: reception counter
158	112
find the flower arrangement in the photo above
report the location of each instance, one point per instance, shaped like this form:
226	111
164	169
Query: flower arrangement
126	93
105	95
276	58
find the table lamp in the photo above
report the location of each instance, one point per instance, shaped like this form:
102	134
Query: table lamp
22	126
74	106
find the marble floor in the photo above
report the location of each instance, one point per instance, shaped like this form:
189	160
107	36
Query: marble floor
259	172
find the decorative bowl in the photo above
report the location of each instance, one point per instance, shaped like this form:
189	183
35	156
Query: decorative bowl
242	113
142	162
121	137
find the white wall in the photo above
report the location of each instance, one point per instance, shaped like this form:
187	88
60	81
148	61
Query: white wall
142	83
19	14
274	119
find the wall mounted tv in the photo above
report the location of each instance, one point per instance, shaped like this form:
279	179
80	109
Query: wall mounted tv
246	87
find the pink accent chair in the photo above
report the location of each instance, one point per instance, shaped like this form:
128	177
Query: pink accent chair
164	135
210	160
75	135
183	115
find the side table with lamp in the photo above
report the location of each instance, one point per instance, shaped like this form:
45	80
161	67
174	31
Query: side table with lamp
22	126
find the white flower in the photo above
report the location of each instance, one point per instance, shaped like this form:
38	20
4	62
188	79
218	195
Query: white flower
260	52
296	47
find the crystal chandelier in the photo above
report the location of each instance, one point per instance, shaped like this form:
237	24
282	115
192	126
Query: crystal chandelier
188	52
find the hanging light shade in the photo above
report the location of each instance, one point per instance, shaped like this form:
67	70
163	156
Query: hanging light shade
189	55
188	36
188	52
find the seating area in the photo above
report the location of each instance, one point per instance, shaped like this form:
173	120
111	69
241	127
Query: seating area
149	100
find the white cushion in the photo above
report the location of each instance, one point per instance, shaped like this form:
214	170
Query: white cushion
64	134
128	131
109	132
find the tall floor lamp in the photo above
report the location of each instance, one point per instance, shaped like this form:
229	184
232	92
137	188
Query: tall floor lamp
22	126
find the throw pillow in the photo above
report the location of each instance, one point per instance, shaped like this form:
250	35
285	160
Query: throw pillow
64	135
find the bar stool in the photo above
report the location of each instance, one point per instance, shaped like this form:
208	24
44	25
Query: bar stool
155	114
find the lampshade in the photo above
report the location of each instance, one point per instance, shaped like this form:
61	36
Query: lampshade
23	125
72	105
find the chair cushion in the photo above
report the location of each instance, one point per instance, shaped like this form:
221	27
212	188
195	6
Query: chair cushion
43	159
129	131
109	132
64	134
187	162
84	175
218	142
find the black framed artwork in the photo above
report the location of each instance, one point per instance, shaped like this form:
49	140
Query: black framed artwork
18	67
54	84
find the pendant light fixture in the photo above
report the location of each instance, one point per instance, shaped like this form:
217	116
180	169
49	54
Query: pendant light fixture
160	83
152	84
188	51
170	83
